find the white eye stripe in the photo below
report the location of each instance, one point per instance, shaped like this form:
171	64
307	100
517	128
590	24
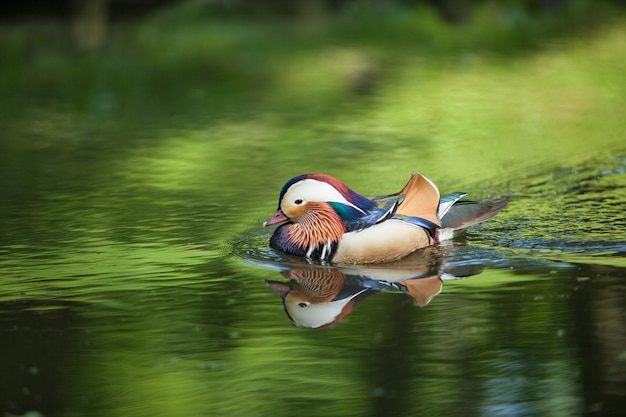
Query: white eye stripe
315	191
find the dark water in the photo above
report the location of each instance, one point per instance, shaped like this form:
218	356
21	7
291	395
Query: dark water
133	266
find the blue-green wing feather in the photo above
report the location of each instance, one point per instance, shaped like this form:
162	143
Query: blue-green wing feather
384	208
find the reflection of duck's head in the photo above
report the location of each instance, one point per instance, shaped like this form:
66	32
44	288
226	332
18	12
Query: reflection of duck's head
317	297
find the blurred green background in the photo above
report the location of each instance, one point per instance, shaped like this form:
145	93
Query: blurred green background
144	142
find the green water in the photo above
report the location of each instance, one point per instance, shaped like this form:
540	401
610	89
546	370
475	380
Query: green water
135	180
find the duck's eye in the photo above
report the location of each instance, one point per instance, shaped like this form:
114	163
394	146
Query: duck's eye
302	304
298	201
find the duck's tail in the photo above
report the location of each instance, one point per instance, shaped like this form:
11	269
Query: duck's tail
464	214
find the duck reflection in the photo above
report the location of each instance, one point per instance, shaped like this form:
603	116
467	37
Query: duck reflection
318	296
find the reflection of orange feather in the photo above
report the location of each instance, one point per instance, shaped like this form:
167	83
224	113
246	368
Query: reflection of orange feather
421	199
424	289
316	284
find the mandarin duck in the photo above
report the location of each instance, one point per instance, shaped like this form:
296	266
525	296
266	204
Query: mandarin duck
321	218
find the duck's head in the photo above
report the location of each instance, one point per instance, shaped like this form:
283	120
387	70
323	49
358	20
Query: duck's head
315	209
307	194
